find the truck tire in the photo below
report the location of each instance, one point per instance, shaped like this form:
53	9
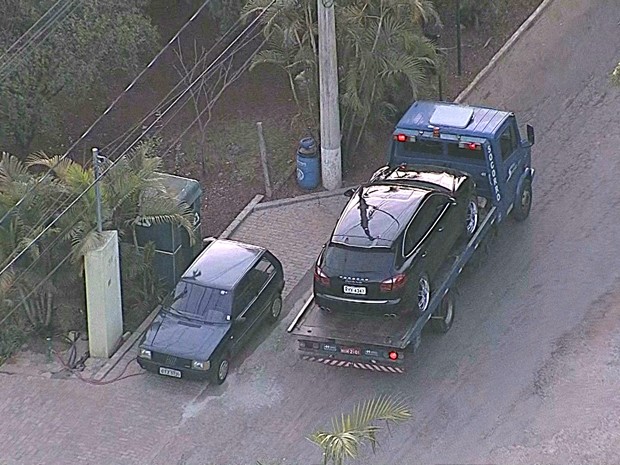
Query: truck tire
523	202
275	309
220	370
442	319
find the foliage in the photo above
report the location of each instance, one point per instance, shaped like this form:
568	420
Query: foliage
48	275
615	75
11	339
85	44
351	431
384	60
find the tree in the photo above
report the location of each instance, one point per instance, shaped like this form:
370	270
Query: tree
615	75
353	430
86	48
384	60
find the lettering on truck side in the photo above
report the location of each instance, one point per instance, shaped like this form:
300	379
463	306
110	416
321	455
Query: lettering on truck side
493	173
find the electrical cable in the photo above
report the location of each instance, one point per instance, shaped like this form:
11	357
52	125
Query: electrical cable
115	162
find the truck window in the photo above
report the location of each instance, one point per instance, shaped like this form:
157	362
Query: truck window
455	151
508	140
421	146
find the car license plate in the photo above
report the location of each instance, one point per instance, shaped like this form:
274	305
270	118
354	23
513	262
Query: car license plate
169	372
350	351
358	290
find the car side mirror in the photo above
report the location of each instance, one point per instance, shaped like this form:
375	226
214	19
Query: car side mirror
530	134
349	192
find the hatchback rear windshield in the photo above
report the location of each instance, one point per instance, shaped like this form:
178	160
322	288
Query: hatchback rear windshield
205	303
341	259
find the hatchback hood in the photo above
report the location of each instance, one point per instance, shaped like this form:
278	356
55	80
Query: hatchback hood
182	337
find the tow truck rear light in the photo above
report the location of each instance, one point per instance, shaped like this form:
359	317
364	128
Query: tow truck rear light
393	355
320	277
435	132
404	138
394	283
470	145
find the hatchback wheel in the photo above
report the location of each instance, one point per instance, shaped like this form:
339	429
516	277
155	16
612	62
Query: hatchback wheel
220	370
424	293
275	310
471	219
442	319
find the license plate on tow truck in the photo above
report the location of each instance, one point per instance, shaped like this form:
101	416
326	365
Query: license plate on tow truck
169	372
350	351
358	290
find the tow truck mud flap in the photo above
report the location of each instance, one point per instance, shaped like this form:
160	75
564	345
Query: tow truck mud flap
360	365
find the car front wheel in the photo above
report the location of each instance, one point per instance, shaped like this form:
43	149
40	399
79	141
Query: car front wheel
220	370
471	218
275	310
523	203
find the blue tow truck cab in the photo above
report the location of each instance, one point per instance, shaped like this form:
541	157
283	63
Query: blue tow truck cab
483	142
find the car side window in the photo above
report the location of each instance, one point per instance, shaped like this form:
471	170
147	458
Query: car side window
261	273
508	140
243	295
422	222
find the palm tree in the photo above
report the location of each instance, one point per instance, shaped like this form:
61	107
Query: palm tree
351	431
384	60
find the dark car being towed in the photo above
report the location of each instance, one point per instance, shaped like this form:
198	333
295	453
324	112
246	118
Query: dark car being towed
229	289
392	237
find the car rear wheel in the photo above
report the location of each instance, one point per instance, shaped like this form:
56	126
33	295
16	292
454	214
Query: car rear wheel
442	319
424	293
220	370
471	218
523	203
275	310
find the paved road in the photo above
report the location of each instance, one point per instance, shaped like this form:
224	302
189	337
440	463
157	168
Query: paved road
529	373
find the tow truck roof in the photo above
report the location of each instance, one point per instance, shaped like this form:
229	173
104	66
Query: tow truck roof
458	119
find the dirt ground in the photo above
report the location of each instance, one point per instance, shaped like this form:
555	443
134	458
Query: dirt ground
263	95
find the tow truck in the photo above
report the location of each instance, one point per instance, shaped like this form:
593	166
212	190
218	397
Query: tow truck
483	142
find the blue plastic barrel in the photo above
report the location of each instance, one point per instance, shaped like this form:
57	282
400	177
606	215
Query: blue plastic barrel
308	164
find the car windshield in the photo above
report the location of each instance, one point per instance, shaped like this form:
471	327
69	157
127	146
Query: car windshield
204	303
341	259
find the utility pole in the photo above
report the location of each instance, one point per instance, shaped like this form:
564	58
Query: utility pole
331	157
97	189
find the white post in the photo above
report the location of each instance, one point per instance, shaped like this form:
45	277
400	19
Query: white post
103	297
331	164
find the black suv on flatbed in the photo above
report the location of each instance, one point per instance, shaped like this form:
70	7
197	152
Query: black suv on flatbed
229	289
392	238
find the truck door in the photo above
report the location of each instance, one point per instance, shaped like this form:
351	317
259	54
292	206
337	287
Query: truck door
512	161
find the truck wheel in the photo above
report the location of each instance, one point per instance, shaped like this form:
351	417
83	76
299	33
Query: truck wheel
424	293
471	219
442	319
275	310
220	370
523	203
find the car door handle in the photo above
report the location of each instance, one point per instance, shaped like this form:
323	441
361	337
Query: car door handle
440	228
423	254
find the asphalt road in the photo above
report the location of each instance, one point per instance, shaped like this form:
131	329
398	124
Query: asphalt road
529	372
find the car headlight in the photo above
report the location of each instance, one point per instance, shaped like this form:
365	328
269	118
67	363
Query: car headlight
198	365
145	353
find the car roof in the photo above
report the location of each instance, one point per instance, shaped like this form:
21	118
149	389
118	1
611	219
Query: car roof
222	264
463	119
389	207
440	177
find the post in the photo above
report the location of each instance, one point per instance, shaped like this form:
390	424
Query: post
458	37
331	157
97	188
263	158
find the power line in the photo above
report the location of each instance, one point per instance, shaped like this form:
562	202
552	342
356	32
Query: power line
45	216
43	32
115	162
107	110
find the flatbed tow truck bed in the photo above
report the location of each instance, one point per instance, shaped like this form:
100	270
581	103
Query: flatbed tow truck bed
378	342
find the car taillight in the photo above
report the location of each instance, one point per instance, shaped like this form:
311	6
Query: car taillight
394	283
320	276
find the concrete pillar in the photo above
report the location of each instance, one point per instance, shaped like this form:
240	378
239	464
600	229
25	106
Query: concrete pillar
103	296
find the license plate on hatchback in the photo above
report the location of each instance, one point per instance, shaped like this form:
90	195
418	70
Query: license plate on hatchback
169	372
357	290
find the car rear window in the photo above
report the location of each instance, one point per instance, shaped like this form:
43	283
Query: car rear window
420	146
340	259
209	304
455	151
